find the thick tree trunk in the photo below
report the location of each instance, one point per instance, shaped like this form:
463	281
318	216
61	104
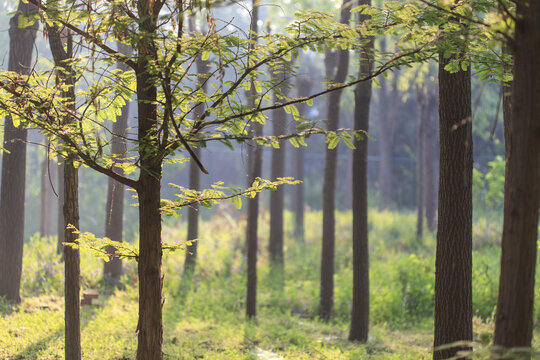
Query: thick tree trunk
431	143
114	211
12	188
326	300
515	305
275	245
360	301
453	264
254	170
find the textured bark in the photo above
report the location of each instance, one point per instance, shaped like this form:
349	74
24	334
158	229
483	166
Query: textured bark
254	170
453	263
12	191
326	300
304	86
61	229
279	118
360	302
431	143
114	210
388	106
515	304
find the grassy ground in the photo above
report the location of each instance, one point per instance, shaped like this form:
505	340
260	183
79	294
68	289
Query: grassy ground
204	316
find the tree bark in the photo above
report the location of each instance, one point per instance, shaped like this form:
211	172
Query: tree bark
515	304
326	300
453	263
254	170
360	302
279	118
12	190
114	211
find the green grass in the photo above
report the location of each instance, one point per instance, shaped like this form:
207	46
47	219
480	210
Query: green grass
204	317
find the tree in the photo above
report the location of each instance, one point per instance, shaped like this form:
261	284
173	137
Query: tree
514	318
360	303
326	300
114	211
275	246
48	178
430	147
12	191
453	262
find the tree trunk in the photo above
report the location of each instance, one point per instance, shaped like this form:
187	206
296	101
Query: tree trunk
254	170
362	96
61	229
48	177
12	188
420	160
431	143
279	118
114	211
388	106
453	263
515	305
326	300
194	178
304	86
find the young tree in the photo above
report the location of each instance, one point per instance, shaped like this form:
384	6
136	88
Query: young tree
326	300
430	147
515	304
114	210
48	177
12	191
362	97
453	262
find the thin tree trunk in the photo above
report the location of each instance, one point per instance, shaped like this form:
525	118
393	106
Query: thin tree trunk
360	301
279	118
304	86
420	160
61	229
453	263
61	49
431	143
12	190
194	177
47	178
254	170
515	304
326	300
114	211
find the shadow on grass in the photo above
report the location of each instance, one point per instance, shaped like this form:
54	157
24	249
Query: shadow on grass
30	351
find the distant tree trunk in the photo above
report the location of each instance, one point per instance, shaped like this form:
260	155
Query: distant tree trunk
114	214
254	161
515	305
195	176
453	263
388	106
12	191
431	143
420	159
61	229
304	86
360	301
279	118
61	55
326	300
48	177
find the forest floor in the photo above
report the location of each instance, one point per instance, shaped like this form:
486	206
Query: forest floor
204	316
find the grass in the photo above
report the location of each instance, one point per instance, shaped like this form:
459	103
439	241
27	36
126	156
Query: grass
204	316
